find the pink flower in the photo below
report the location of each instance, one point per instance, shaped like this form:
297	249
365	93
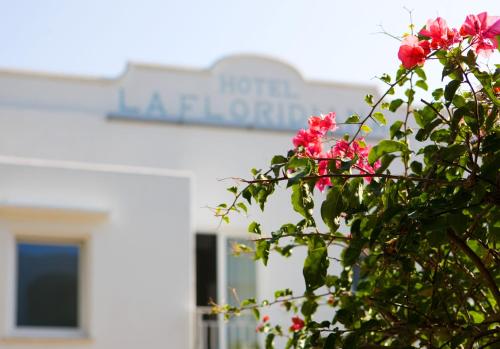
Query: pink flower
297	324
343	150
361	149
265	318
320	126
441	35
323	170
310	141
482	29
413	52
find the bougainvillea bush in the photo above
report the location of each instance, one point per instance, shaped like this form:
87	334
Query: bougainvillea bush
424	240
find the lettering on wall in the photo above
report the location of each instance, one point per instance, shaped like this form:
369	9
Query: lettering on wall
237	101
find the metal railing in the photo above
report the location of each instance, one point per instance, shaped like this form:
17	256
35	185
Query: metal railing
212	333
207	329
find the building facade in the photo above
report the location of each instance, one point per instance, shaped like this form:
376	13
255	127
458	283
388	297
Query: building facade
106	238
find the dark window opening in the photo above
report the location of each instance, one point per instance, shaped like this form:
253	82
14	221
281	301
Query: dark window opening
206	269
47	285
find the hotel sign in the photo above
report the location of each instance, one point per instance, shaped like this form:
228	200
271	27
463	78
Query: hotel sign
242	91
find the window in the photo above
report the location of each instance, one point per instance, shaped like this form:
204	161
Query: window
48	284
241	282
206	269
223	277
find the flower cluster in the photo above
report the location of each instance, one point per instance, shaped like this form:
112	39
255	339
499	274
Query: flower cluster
311	139
309	143
297	324
480	31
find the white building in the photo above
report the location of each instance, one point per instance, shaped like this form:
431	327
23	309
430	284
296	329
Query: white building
105	238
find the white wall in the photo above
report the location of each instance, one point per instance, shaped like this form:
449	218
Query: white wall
65	118
138	258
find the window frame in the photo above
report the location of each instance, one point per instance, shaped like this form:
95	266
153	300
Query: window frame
49	332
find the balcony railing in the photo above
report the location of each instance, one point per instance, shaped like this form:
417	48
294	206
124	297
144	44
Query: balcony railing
212	333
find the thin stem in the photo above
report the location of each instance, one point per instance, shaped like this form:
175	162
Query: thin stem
441	116
477	262
405	124
330	236
374	106
354	175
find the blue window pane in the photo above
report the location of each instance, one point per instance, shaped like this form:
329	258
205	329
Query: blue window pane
47	285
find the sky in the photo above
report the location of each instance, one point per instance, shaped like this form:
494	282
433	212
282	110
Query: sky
323	39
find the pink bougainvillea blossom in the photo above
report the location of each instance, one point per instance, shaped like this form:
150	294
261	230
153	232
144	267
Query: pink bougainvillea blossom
310	142
322	171
321	125
311	139
413	52
441	36
482	29
345	150
297	324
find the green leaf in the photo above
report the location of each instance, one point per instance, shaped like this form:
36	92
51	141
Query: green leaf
395	104
302	201
282	293
353	119
309	307
270	341
380	118
410	93
448	69
491	143
316	263
385	147
452	152
242	206
366	128
386	78
458	101
247	302
352	252
331	341
416	167
278	160
441	135
233	190
247	194
300	167
256	313
331	208
369	99
351	341
477	316
254	227
395	127
437	93
485	80
421	73
450	90
262	250
422	84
